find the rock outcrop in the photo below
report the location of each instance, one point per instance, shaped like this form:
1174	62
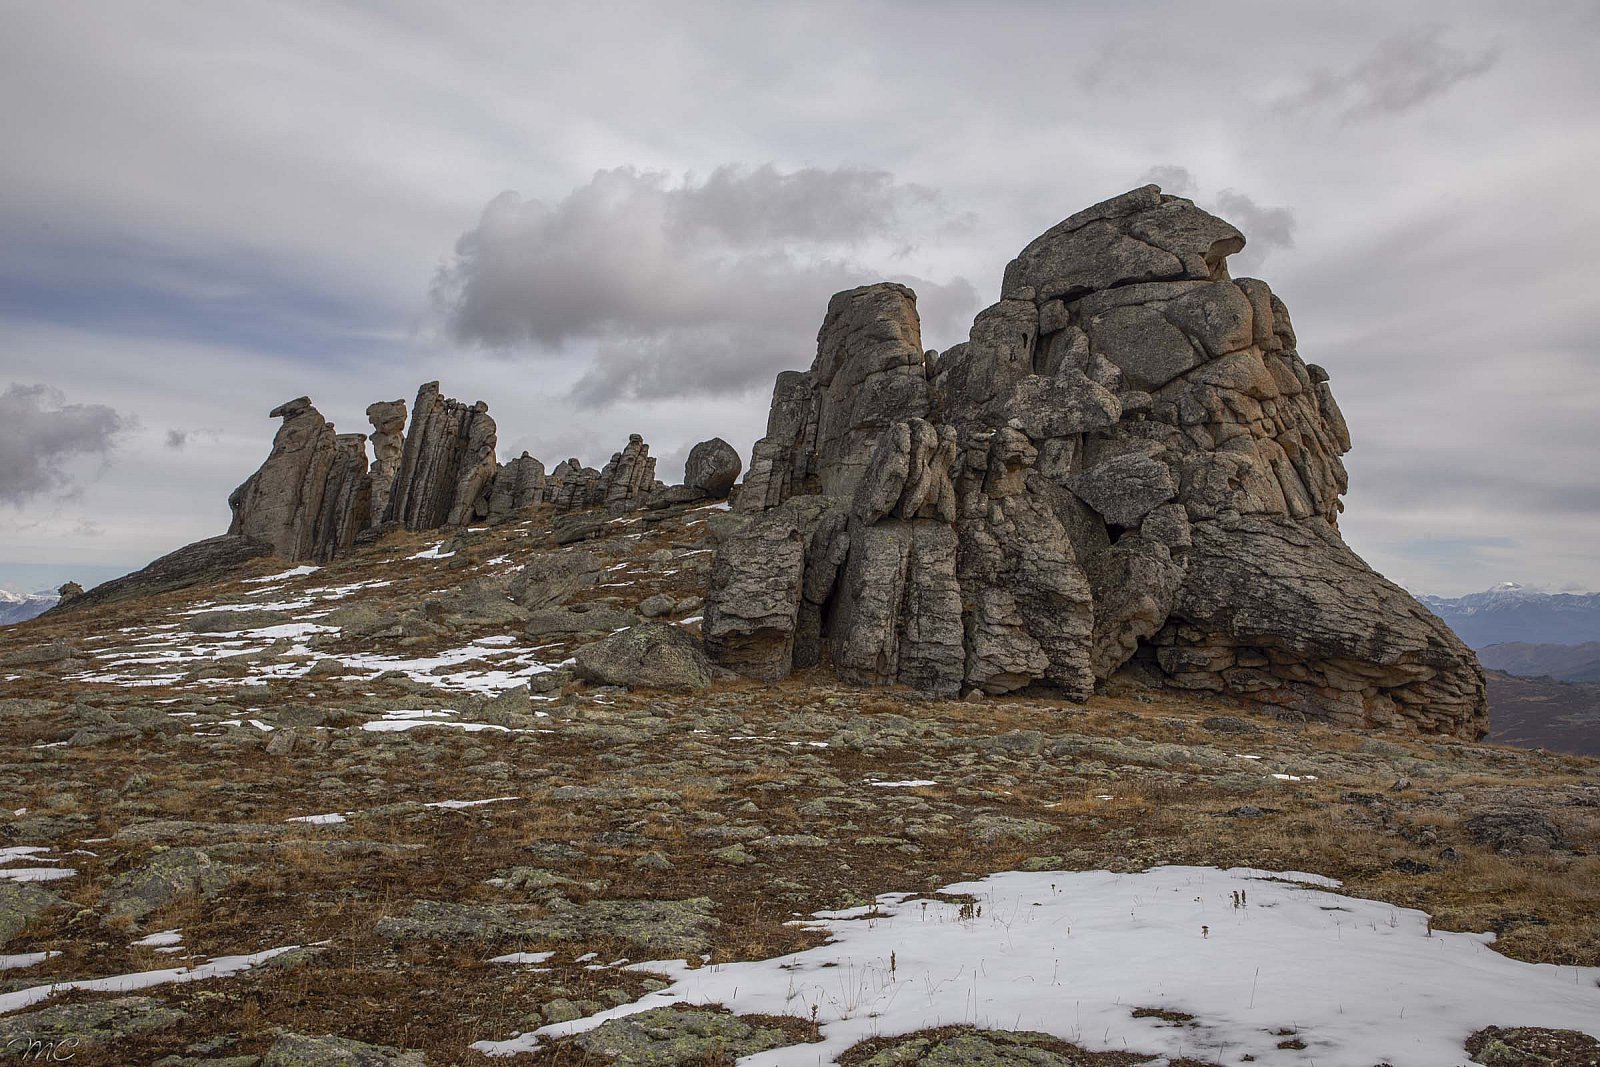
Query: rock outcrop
447	465
625	482
317	494
312	495
1127	464
630	474
388	418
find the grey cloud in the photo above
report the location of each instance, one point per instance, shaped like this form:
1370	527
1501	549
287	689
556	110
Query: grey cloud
1264	228
696	288
40	433
1401	73
1172	178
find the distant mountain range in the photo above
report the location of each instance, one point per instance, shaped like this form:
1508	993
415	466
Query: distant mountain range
1513	614
1566	663
20	607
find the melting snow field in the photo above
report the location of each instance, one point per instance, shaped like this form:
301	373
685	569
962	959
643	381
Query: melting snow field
1245	952
221	967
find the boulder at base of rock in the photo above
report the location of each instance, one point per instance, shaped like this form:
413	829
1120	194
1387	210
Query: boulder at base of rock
652	655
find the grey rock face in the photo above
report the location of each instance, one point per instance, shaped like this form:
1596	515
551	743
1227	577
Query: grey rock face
760	605
653	655
312	495
447	464
713	466
1127	459
630	475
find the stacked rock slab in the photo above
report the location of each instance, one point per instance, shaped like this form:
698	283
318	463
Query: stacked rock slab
1127	460
447	464
388	418
312	495
630	475
517	485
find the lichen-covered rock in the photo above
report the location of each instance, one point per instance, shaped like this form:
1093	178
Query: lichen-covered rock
979	1048
659	927
164	879
216	622
20	904
299	1050
673	1037
434	920
89	1024
56	651
664	929
549	578
653	655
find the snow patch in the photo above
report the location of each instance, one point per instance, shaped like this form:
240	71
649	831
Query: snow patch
1249	954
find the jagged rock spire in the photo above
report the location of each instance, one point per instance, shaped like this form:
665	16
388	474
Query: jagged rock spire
312	495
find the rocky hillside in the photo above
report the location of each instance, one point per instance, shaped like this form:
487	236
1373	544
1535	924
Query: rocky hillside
1543	713
1021	706
1564	663
417	798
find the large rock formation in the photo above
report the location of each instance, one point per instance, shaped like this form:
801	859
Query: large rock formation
1127	461
447	465
312	495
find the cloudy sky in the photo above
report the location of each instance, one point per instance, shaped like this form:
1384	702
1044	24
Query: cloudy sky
615	218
